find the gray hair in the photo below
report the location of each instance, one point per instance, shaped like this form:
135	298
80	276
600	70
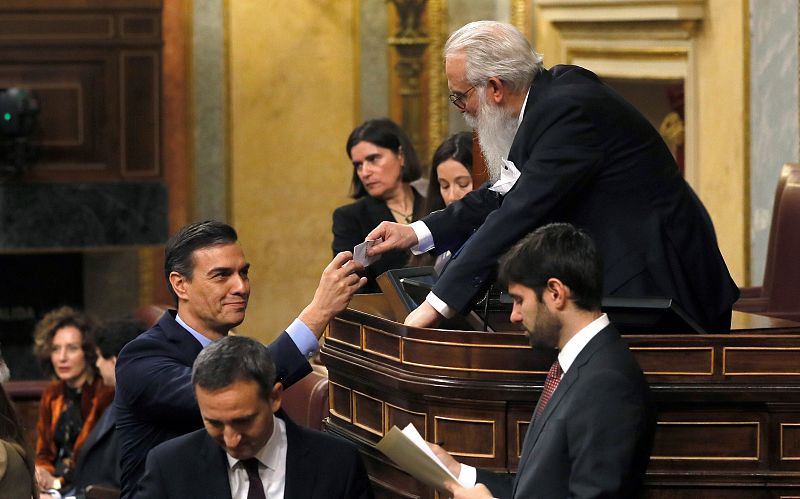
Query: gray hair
495	49
231	359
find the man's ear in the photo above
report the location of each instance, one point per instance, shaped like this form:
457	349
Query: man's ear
276	396
558	293
497	89
178	283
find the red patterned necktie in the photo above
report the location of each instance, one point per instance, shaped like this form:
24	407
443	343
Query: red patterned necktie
550	384
256	489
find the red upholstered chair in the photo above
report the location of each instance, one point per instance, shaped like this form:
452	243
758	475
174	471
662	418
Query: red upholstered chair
779	295
149	314
306	401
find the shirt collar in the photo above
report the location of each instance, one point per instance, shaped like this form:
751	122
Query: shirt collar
269	454
522	111
204	341
570	352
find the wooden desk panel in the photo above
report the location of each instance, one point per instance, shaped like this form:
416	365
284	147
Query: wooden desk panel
729	404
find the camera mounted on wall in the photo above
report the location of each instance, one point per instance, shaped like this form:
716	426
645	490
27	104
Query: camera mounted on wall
18	111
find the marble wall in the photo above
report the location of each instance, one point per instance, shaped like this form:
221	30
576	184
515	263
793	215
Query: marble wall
774	111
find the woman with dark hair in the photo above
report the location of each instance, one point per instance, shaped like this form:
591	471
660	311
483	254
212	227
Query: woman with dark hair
451	171
384	165
74	401
16	458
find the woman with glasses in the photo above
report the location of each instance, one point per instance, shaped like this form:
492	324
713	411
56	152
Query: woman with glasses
384	165
74	401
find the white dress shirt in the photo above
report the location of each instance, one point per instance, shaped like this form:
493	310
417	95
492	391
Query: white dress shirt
425	238
271	468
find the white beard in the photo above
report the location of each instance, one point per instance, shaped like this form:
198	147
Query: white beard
496	128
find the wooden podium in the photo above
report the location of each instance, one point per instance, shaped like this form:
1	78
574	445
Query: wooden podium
728	404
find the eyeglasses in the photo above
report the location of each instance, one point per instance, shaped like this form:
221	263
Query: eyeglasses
458	98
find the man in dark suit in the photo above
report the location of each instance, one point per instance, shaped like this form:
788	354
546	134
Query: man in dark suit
207	273
561	146
98	461
249	449
592	430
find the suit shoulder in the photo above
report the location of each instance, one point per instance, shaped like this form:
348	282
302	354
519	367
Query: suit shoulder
325	444
180	446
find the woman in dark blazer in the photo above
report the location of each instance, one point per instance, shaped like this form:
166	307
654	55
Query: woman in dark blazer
384	165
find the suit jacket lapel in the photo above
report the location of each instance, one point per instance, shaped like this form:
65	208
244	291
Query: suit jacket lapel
298	482
211	473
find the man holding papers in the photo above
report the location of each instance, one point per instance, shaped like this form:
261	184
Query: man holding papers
592	430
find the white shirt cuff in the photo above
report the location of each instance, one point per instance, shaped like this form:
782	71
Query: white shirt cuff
303	338
468	476
424	237
443	308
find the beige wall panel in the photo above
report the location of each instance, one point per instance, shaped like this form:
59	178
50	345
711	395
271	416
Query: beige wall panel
722	181
293	103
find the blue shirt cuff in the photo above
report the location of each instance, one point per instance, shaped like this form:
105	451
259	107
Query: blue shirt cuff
303	338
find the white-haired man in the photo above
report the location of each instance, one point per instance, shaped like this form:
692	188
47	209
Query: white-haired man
561	146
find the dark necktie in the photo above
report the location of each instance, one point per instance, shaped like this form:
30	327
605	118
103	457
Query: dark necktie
256	490
550	385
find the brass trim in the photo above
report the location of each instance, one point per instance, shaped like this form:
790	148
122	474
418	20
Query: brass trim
520	442
380	354
712	458
464	420
363	426
471	369
782	457
457	344
329	337
678	373
778	349
331	408
386	406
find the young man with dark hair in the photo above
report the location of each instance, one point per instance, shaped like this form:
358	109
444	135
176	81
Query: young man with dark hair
207	272
592	429
249	447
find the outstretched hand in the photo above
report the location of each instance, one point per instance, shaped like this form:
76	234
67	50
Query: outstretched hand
395	237
338	284
423	316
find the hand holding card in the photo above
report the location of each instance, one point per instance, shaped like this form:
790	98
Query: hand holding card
360	252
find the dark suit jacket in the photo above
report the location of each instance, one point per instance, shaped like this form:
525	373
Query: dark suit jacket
98	461
595	434
588	158
155	400
318	466
351	224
